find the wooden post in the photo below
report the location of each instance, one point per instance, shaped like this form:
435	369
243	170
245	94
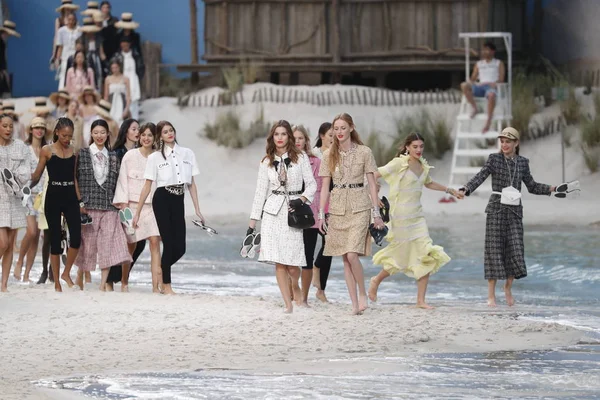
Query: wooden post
195	79
335	37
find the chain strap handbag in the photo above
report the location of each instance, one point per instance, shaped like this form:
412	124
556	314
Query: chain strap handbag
299	217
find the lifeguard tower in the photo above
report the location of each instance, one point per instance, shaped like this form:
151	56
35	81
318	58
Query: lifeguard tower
470	142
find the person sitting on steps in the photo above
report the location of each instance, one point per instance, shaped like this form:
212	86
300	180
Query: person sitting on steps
488	72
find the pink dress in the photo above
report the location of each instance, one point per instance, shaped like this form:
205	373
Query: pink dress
78	79
315	164
129	186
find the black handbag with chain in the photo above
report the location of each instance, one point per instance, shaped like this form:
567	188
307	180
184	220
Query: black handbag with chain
301	216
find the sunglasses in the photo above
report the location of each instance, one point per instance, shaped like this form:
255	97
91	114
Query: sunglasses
208	229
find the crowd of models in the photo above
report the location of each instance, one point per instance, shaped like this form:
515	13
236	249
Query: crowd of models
119	191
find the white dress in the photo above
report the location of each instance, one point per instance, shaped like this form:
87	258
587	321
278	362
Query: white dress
16	158
117	92
281	244
129	70
66	38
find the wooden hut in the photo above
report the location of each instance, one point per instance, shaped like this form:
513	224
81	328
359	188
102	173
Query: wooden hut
352	39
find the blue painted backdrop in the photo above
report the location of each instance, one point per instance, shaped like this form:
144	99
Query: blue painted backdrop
162	21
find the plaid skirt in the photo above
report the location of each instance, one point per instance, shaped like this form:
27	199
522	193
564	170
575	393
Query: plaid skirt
504	248
103	242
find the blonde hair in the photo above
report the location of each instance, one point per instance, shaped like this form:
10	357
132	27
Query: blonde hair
304	132
334	152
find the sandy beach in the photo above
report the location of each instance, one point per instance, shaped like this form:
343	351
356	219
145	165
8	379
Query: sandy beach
49	335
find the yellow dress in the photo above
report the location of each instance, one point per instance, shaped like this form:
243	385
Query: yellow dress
410	249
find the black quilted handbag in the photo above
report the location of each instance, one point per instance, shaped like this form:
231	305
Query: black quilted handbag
301	217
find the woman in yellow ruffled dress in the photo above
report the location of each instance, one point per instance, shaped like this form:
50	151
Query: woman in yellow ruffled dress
410	249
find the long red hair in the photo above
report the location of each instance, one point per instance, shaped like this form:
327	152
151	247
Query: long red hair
334	150
292	151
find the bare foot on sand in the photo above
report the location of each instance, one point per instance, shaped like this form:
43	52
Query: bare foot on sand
305	304
373	286
110	287
156	290
356	311
321	296
425	306
316	280
4	289
124	288
67	279
57	287
510	300
297	295
363	304
288	310
79	280
88	277
18	269
168	290
491	302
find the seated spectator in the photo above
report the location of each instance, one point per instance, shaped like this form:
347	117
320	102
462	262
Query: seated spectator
79	75
8	29
488	72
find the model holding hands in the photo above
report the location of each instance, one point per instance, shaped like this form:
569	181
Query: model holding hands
410	249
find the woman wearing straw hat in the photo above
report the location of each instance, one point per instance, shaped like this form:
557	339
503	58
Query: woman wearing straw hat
8	107
67	7
65	42
8	29
61	101
103	110
73	114
127	27
88	101
117	91
92	43
36	140
15	171
41	109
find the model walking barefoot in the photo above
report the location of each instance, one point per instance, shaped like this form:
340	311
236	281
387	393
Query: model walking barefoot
129	186
504	257
103	240
351	208
322	263
15	169
29	244
281	174
61	198
172	169
411	250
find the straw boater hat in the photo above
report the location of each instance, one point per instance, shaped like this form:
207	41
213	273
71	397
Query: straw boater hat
92	9
41	106
510	133
61	93
88	90
89	26
98	18
8	107
10	28
67	5
127	22
37	122
103	109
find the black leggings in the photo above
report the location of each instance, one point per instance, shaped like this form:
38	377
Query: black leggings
116	271
170	218
322	262
53	210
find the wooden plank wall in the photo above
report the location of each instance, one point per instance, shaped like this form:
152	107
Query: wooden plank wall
278	28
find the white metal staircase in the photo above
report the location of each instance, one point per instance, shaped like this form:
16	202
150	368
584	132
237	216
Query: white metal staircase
470	143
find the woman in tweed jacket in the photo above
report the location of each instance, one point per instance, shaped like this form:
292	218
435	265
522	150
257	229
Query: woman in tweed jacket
504	249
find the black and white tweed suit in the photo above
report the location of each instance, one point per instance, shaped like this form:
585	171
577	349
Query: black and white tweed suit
504	249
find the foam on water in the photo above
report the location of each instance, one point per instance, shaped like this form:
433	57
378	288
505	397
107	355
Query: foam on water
571	373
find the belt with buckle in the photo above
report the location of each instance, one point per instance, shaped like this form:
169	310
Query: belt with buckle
349	186
281	192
